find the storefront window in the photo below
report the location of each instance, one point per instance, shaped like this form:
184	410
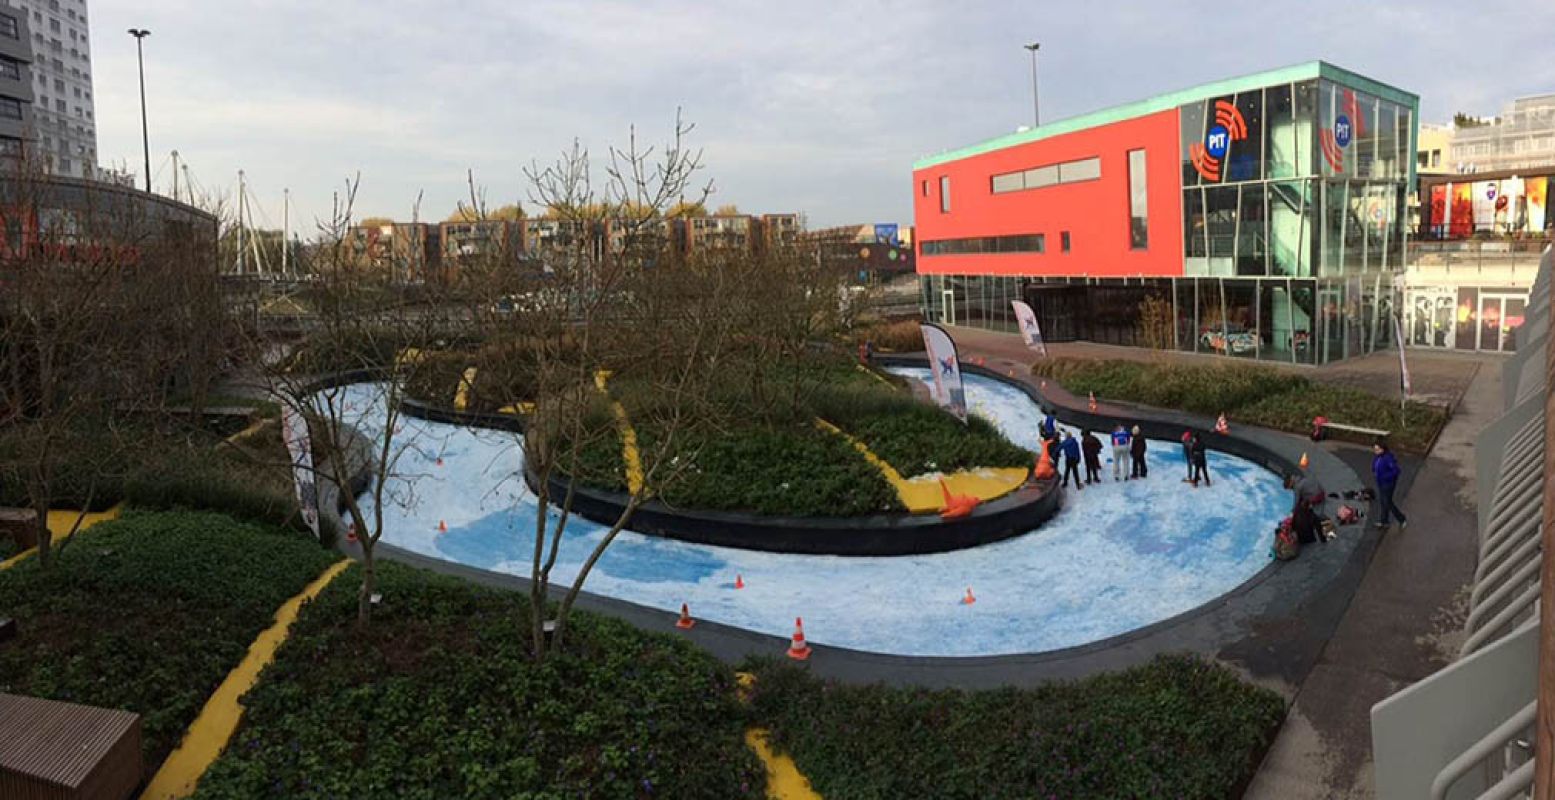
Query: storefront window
1388	165
1212	312
1252	232
1279	129
1186	306
1290	228
1191	132
1303	315
1332	214
1242	319
1306	128
1362	111
1193	230
1245	159
1220	210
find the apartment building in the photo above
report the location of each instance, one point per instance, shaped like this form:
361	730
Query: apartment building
64	123
408	250
1521	137
15	82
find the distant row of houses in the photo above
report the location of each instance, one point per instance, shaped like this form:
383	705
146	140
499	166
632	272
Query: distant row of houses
420	249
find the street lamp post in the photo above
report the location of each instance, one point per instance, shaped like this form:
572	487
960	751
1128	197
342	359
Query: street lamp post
1036	114
145	136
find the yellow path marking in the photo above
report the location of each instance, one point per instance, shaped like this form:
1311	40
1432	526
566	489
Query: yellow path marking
208	735
247	432
517	409
630	455
873	374
409	355
462	396
59	523
784	780
923	493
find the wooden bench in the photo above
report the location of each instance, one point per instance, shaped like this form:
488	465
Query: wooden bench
1372	432
67	751
20	525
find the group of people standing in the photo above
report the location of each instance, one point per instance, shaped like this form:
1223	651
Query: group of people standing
1128	454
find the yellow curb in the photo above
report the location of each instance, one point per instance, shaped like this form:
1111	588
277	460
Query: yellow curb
60	521
462	396
784	780
517	409
208	734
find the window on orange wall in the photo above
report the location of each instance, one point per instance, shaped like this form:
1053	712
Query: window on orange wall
1064	241
925	188
1138	202
944	194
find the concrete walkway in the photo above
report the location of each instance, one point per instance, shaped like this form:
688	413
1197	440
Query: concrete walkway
1437	377
1404	623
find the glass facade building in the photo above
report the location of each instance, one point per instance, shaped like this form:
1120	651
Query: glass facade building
1290	192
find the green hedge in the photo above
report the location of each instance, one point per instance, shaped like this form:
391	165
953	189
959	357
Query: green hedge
439	699
1177	727
149	613
1250	394
188	469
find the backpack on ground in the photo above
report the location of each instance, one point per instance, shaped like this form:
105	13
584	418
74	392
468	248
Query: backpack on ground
1348	515
1285	545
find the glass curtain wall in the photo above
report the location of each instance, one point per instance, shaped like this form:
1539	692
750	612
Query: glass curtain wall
1296	181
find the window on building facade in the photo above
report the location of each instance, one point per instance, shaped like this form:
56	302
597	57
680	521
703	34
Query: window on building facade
54	25
1063	241
10	147
1138	202
978	245
10	68
10	108
1085	169
924	188
9	28
944	194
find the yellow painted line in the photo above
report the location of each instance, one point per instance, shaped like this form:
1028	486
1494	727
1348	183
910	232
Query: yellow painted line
873	374
462	396
924	493
208	735
60	522
784	780
630	455
409	355
247	432
517	409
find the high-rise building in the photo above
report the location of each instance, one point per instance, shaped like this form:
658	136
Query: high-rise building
15	83
64	127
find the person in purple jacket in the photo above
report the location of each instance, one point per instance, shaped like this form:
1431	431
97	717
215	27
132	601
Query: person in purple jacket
1384	467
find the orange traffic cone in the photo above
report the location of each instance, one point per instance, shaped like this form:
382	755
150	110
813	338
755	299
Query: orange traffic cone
1303	462
440	461
685	622
442	526
1221	426
739	581
1093	402
351	533
797	649
1044	468
969	599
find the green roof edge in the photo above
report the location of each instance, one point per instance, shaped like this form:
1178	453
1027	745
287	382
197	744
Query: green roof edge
1296	72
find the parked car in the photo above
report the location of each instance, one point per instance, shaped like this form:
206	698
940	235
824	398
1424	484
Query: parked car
1229	339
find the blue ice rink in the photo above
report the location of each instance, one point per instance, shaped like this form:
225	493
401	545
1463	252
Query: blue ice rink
1118	556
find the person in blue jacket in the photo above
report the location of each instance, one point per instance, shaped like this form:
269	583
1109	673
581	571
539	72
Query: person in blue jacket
1384	467
1071	448
1120	453
1050	425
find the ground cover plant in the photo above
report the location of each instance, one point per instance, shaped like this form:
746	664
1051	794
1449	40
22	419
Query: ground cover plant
149	613
771	458
441	697
1177	727
1253	395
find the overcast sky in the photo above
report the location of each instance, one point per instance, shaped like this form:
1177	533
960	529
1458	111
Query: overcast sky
817	107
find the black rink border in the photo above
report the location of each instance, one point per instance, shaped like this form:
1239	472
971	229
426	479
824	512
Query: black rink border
1273	626
896	534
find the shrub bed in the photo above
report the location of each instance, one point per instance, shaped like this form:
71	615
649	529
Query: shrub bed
1177	727
904	336
149	613
1250	394
439	698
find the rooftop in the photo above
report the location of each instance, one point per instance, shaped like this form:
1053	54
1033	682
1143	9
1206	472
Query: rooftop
1297	72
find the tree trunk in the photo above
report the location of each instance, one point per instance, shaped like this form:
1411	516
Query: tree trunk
364	596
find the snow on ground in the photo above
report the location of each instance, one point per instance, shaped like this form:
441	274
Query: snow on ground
1118	556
